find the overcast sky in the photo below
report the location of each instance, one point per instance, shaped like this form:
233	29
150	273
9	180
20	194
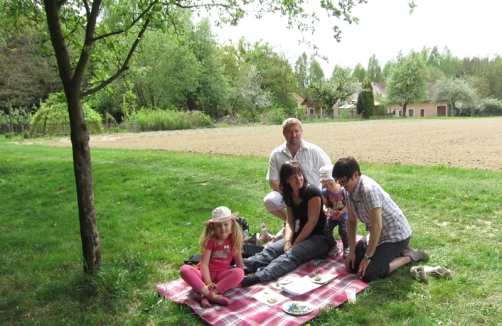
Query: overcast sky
468	28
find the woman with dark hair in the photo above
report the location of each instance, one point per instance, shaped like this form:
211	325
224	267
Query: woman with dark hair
304	238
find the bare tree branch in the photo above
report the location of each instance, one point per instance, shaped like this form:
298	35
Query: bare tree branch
61	3
87	9
134	22
125	65
88	42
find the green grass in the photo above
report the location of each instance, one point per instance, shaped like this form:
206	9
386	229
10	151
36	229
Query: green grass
150	208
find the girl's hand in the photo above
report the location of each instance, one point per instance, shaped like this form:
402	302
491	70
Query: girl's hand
211	286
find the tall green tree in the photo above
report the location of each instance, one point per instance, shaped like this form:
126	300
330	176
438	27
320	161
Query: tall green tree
374	71
276	73
386	70
316	74
494	76
455	91
26	77
359	72
407	82
79	39
167	81
301	74
450	65
365	100
251	99
213	92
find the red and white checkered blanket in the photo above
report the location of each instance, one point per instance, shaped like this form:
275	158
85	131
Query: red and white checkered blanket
245	310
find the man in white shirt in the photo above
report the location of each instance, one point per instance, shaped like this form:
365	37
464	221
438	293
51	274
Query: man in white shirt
310	156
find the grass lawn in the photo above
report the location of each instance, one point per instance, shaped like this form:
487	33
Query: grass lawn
151	207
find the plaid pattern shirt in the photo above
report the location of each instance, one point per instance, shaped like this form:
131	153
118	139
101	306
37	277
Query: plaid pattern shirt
368	195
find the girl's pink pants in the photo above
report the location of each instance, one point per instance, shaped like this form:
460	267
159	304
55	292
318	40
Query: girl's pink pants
224	280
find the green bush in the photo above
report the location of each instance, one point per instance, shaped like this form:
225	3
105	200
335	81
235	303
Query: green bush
155	119
275	115
345	114
52	118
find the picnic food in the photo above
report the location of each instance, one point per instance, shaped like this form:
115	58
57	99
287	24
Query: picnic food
272	300
318	277
297	308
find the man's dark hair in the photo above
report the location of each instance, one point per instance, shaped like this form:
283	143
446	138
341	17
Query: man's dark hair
345	167
289	169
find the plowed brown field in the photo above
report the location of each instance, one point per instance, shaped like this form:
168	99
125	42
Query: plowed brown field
466	143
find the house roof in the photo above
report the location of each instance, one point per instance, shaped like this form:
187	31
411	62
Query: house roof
380	87
300	99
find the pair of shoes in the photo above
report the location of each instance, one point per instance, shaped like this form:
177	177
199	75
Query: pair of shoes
415	255
334	251
216	298
346	252
418	272
204	302
408	249
439	271
250	281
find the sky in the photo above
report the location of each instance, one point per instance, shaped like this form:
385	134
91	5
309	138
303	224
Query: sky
467	28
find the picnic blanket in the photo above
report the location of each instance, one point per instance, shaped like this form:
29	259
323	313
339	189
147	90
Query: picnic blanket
247	311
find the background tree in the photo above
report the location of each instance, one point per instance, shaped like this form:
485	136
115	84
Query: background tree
276	74
167	81
480	84
365	100
387	70
490	106
316	74
251	99
26	78
407	82
338	88
359	72
301	74
78	40
212	93
454	91
374	71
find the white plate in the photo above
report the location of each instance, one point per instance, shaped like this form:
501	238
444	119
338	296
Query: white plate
325	278
286	280
269	297
297	308
282	282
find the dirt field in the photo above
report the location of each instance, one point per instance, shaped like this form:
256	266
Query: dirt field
465	143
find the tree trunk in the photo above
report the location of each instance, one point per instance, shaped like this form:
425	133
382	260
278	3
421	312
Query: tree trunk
404	109
85	188
72	81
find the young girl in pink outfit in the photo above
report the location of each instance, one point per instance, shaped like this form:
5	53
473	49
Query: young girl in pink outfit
220	242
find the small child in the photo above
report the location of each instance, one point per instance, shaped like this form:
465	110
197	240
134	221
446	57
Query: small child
335	209
220	242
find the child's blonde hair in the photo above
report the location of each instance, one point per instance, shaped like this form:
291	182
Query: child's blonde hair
208	233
